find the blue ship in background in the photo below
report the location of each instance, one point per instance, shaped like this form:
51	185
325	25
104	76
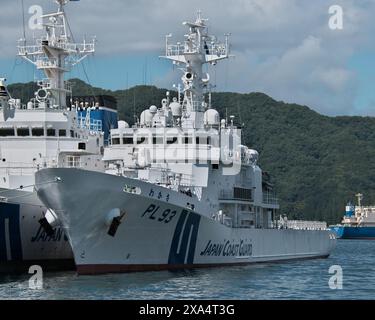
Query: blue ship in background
358	222
348	232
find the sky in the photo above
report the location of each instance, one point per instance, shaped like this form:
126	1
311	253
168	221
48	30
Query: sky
284	48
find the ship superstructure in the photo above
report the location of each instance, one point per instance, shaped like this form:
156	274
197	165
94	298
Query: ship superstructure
50	130
181	190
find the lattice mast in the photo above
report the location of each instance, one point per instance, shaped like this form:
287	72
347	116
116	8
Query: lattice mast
55	54
198	49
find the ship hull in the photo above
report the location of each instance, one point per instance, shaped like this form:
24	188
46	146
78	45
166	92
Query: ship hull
360	233
159	229
23	242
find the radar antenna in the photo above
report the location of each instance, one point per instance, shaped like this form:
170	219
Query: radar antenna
55	54
359	198
198	49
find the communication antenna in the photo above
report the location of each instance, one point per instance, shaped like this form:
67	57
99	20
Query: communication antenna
134	114
55	54
23	22
198	49
360	198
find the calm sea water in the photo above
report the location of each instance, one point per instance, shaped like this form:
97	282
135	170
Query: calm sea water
306	279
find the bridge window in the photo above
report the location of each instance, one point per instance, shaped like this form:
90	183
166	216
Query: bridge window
188	140
171	140
142	140
81	146
6	132
201	140
23	132
115	141
242	193
71	133
37	132
51	132
128	140
157	140
62	133
73	162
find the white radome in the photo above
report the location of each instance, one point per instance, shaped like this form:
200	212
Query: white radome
146	118
153	109
122	124
211	117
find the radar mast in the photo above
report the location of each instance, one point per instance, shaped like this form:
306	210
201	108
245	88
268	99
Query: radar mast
198	49
55	53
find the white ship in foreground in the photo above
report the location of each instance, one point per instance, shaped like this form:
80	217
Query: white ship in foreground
180	190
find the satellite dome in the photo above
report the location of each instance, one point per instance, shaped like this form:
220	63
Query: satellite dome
211	117
153	109
146	118
122	124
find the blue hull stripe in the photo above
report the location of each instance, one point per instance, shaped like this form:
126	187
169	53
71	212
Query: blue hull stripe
187	224
12	213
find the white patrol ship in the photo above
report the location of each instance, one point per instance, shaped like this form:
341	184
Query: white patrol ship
51	130
180	190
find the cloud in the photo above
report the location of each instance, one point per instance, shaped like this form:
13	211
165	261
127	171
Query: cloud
282	47
307	74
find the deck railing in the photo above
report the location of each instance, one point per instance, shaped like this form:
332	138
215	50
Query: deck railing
300	225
